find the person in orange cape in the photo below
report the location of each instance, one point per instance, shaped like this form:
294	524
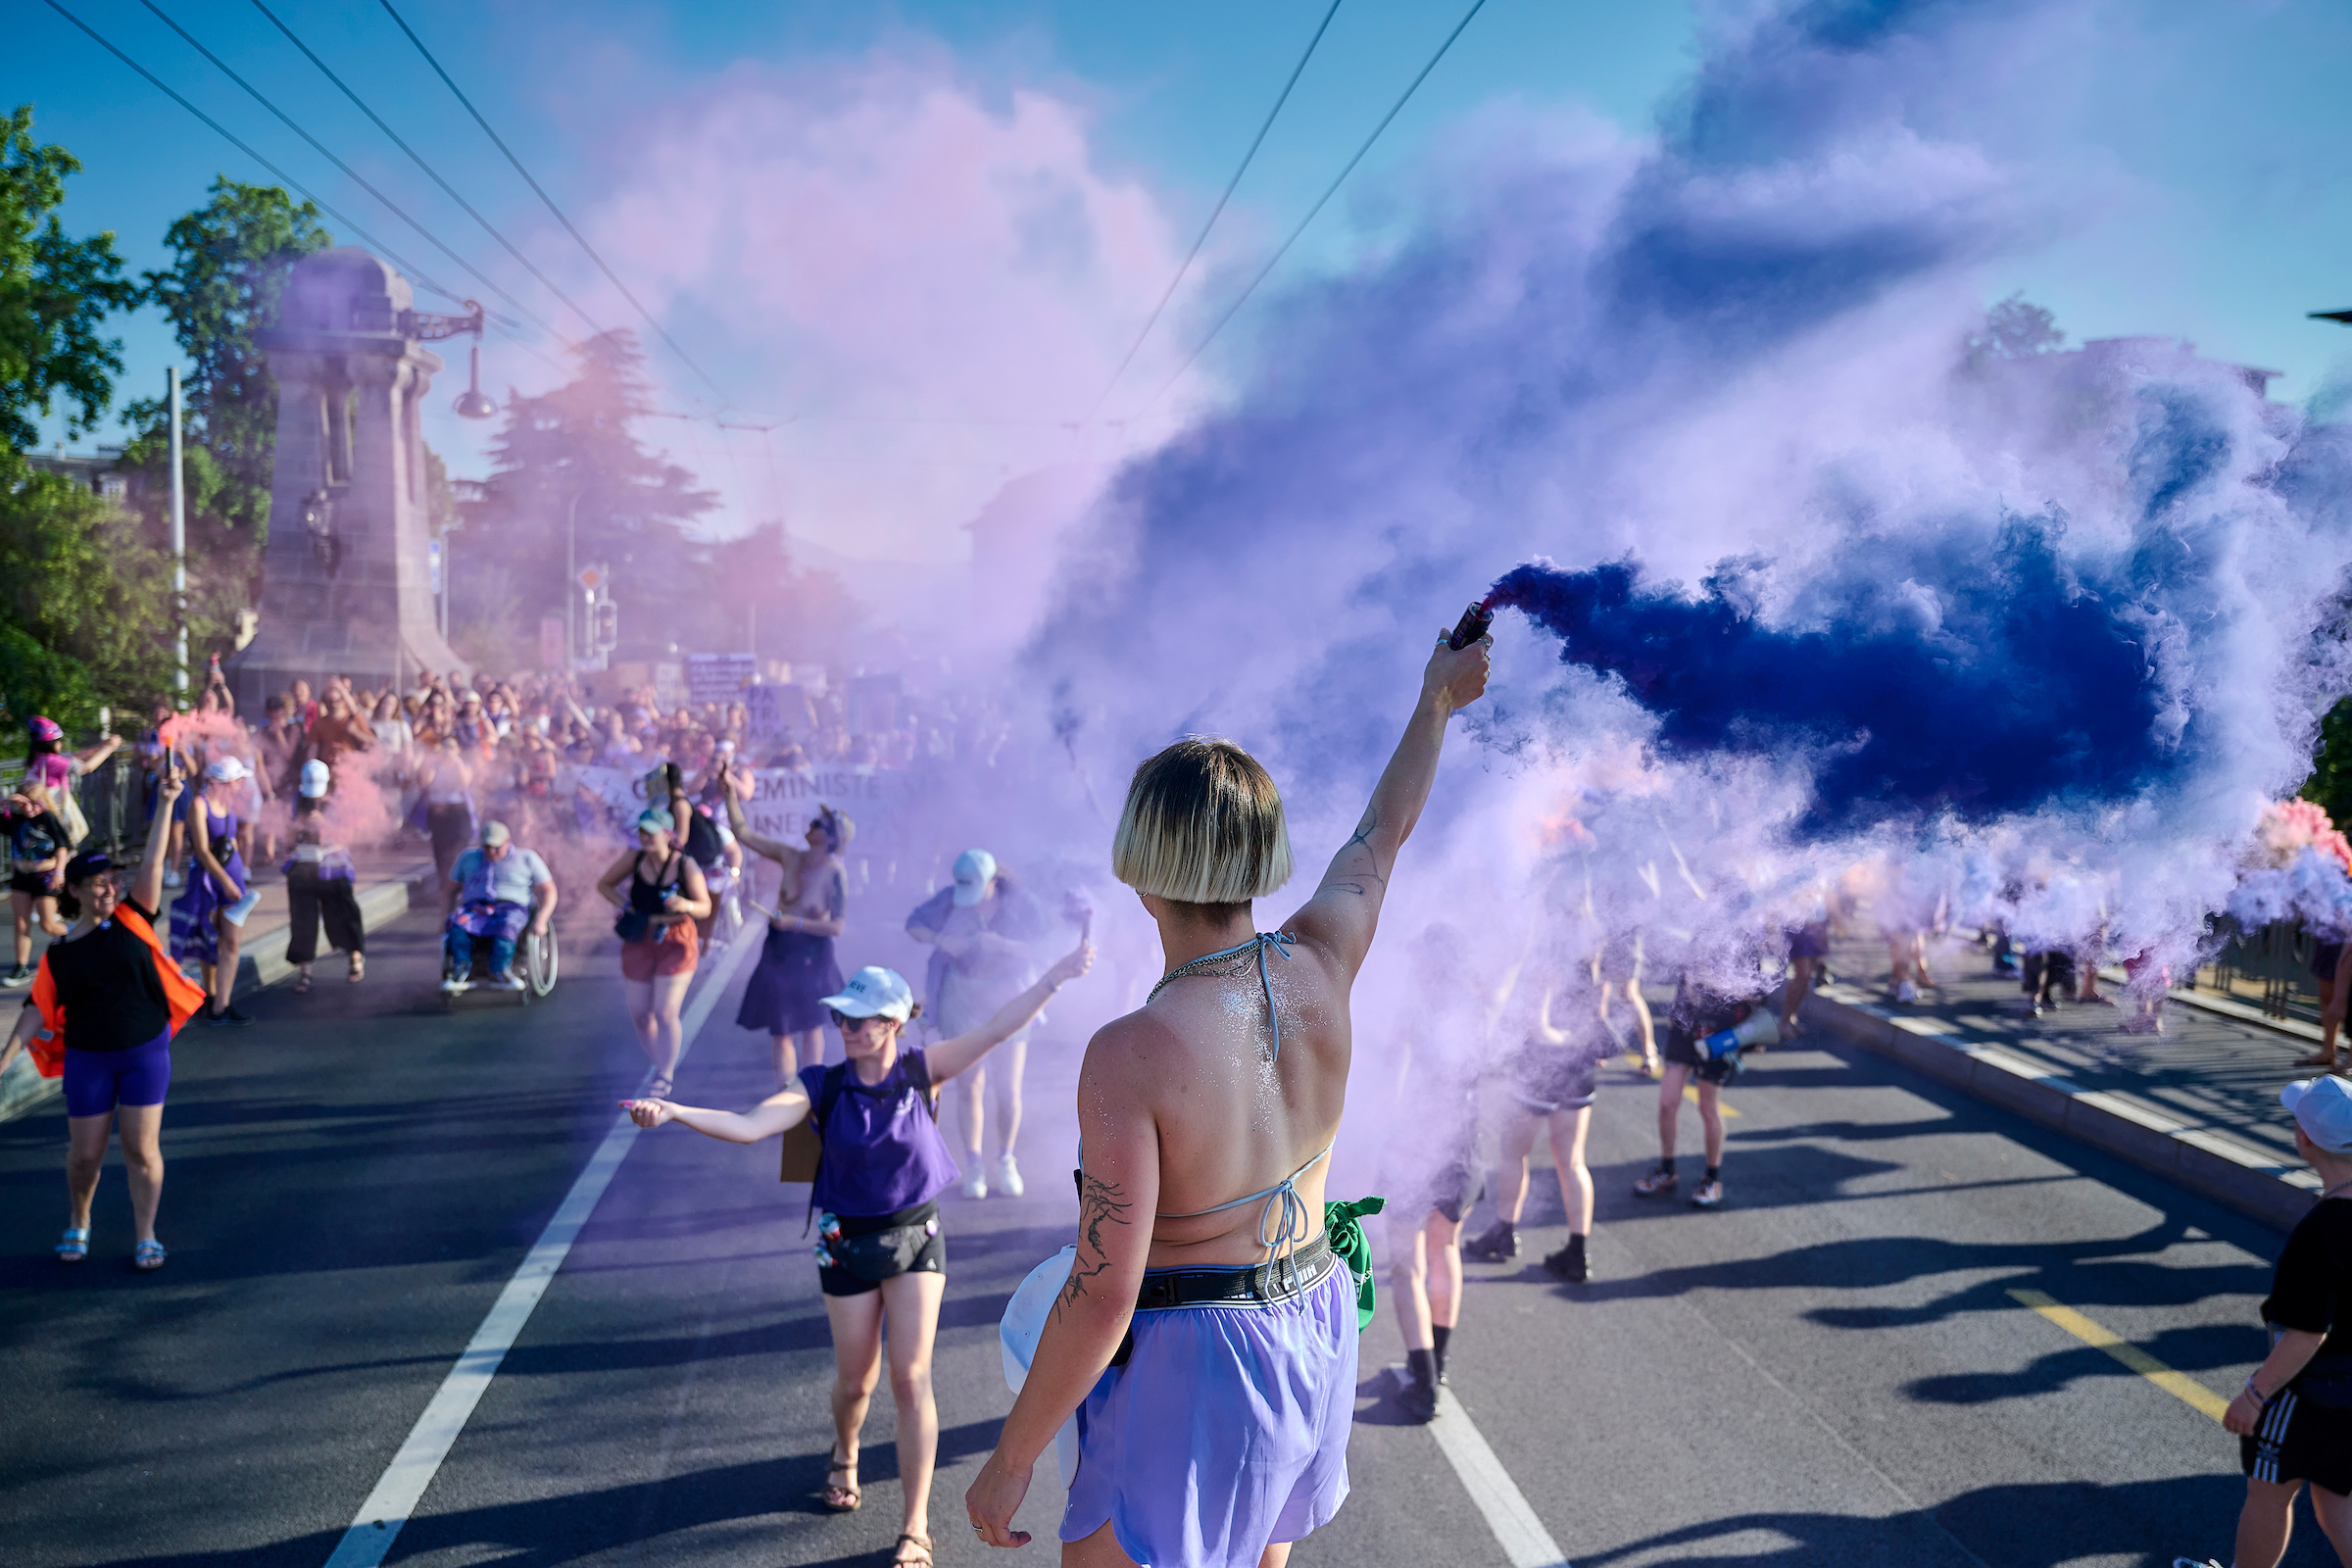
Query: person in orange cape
105	1004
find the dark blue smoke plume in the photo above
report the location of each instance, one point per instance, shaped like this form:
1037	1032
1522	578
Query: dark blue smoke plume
2027	689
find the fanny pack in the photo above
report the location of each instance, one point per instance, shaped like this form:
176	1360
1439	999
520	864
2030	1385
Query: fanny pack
633	925
875	1255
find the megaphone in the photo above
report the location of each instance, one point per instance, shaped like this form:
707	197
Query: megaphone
1761	1027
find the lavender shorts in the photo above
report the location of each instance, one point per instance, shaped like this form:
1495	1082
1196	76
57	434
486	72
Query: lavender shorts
1225	1432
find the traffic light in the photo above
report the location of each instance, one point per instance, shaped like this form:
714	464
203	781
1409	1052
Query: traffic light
608	625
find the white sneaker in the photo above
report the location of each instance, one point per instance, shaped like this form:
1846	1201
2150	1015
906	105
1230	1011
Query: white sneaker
1009	1177
975	1186
1906	992
173	879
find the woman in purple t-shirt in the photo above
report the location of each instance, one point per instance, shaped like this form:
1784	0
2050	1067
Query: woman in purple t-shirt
879	1248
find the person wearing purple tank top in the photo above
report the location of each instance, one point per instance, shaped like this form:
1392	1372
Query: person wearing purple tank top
1206	1343
879	1248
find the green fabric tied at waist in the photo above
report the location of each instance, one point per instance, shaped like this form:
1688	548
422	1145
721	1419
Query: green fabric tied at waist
1342	1225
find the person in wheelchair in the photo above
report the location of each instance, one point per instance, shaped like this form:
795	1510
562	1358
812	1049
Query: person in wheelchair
497	890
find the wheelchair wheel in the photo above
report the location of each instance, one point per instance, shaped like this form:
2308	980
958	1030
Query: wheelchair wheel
541	965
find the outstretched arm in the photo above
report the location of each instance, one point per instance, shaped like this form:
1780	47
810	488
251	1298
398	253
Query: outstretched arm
147	883
951	1056
1118	1191
784	855
779	1112
1344	910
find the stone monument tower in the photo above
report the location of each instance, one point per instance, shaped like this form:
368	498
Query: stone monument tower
346	584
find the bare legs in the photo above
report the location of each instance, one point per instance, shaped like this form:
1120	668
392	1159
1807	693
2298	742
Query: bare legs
973	1099
142	1164
910	1301
1647	1032
1792	994
2264	1523
1670	1108
221	976
653	1009
28	909
1101	1549
795	1052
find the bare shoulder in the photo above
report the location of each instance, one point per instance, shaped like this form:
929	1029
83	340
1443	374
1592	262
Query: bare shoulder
1129	1056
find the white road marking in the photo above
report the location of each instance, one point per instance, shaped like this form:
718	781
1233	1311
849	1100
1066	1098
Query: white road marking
1522	1535
402	1485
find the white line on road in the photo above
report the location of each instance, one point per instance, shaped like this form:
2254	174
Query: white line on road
402	1486
1522	1535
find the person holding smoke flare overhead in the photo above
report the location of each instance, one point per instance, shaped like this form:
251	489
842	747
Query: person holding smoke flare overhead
797	968
880	1253
208	919
125	997
1205	1340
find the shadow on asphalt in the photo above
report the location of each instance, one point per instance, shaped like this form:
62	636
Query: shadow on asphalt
2015	1526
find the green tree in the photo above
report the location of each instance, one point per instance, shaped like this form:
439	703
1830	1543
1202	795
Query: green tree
2330	786
55	293
2015	329
84	603
578	446
232	257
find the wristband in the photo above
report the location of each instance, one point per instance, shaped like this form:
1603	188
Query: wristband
2259	1397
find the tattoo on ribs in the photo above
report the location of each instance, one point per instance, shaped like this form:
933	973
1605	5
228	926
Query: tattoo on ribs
1100	1203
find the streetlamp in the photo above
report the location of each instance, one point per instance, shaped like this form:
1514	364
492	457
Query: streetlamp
2344	317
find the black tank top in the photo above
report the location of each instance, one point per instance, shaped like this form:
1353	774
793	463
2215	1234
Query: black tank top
647	898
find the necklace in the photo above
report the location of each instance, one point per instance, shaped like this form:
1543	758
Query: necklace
1235	961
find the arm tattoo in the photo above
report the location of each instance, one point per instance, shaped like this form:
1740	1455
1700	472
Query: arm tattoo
1359	884
1100	1203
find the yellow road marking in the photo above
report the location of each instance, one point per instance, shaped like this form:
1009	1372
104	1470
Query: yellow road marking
1691	1093
2179	1384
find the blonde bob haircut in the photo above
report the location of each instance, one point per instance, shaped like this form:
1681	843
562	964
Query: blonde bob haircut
1202	825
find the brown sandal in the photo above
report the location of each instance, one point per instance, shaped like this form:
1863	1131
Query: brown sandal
842	1499
2317	1058
921	1543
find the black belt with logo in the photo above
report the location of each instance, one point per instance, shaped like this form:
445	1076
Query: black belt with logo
1166	1290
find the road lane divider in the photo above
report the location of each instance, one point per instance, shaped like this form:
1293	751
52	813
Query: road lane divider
2179	1384
403	1484
1505	1508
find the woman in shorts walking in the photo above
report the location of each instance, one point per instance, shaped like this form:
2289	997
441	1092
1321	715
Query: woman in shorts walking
659	894
125	997
1220	1434
880	1253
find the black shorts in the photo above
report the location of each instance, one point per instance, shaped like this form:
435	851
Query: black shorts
931	1259
2324	956
1677	1046
33	884
2300	1441
1454	1188
1551	1078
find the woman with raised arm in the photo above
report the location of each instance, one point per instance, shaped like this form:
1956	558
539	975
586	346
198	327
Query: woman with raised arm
104	1009
1220	1435
880	1250
659	894
785	997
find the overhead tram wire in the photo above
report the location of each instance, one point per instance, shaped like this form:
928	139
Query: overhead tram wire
1215	214
434	175
352	174
1328	191
408	268
611	277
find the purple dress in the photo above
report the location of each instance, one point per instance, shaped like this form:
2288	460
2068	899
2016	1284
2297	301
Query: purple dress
193	934
1225	1432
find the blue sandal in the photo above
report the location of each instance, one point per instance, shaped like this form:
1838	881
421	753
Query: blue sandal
147	1256
76	1246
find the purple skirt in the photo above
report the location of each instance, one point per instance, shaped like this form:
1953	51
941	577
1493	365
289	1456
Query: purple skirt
787	992
1225	1432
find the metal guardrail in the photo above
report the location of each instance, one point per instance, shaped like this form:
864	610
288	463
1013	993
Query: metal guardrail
113	798
2277	959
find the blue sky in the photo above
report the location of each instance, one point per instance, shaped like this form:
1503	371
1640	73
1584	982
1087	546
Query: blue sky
2217	128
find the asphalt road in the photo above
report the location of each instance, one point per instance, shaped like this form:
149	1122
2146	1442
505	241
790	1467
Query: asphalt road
1830	1370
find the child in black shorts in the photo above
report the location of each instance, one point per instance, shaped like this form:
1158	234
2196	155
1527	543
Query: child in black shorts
2294	1416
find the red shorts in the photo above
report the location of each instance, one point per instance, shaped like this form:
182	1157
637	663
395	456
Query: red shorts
674	952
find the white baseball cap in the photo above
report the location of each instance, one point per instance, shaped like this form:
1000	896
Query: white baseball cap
315	779
874	992
974	870
227	771
2323	1108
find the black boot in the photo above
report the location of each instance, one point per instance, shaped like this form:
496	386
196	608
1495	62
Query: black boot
1419	1398
1568	1263
1497	1245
